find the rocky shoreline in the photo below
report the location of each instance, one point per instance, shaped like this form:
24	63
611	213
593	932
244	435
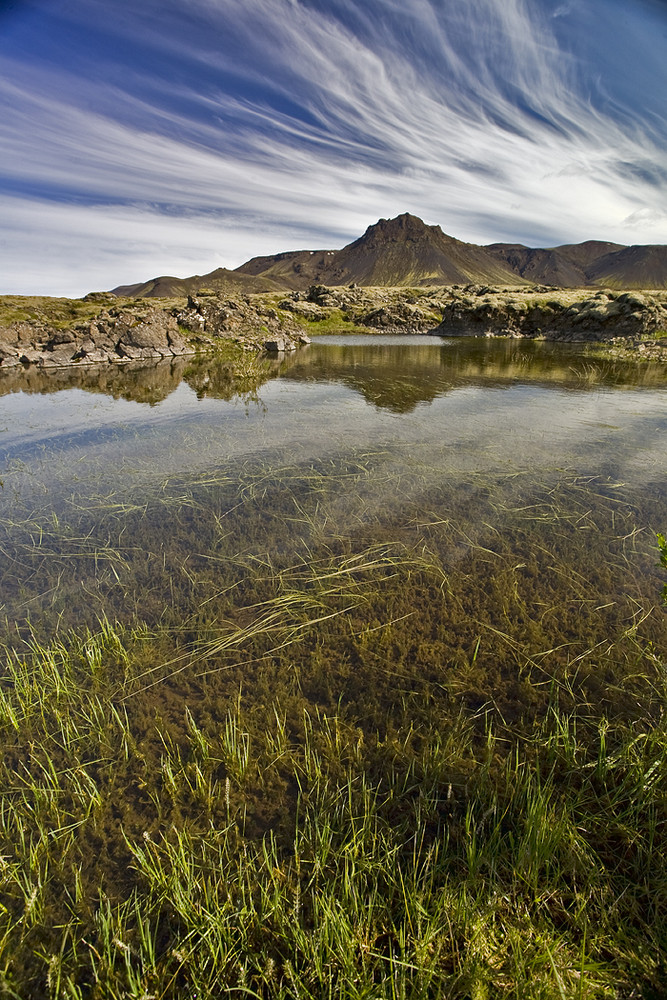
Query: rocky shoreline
604	317
117	337
123	330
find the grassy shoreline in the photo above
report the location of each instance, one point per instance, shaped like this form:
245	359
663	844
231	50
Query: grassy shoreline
55	332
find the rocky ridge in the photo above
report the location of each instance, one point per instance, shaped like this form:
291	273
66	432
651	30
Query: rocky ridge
117	335
137	331
606	316
253	323
133	330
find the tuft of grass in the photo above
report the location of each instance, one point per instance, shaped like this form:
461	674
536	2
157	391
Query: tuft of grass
458	859
662	549
61	313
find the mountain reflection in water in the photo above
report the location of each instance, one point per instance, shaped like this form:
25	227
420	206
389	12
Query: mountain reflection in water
398	375
392	373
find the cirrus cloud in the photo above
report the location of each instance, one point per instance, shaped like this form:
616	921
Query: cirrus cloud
178	137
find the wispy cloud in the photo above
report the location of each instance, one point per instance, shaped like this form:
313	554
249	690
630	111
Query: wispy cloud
256	125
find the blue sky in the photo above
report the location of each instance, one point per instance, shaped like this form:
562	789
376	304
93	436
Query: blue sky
161	137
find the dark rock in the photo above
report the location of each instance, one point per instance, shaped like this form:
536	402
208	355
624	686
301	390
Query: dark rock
279	345
596	317
399	316
309	310
30	356
156	336
62	337
315	293
9	356
57	359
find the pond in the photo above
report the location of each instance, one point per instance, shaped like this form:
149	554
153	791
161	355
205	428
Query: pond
521	484
367	439
383	625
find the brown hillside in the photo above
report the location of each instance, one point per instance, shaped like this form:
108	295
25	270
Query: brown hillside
221	280
295	269
400	251
632	267
584	255
405	251
545	267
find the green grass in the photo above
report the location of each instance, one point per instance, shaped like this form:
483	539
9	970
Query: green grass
339	749
226	351
463	859
662	549
64	313
336	322
58	312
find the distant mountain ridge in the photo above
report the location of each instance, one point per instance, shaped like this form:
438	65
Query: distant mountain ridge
406	251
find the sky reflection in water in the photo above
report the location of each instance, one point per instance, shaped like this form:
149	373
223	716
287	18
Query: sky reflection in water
454	405
119	482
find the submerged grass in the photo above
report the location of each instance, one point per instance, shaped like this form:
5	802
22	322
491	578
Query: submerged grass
462	858
344	746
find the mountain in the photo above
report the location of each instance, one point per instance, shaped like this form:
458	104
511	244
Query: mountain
221	280
400	251
565	266
406	251
293	269
632	267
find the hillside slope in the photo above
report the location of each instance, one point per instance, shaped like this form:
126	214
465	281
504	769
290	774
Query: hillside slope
404	251
221	280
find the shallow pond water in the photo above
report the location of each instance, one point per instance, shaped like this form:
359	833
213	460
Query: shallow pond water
525	480
401	591
494	404
406	417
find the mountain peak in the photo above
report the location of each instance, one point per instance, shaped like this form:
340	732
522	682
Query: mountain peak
403	226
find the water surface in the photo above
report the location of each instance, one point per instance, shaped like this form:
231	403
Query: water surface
398	605
147	493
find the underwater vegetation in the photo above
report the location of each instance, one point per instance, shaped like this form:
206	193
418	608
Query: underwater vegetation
308	744
363	715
